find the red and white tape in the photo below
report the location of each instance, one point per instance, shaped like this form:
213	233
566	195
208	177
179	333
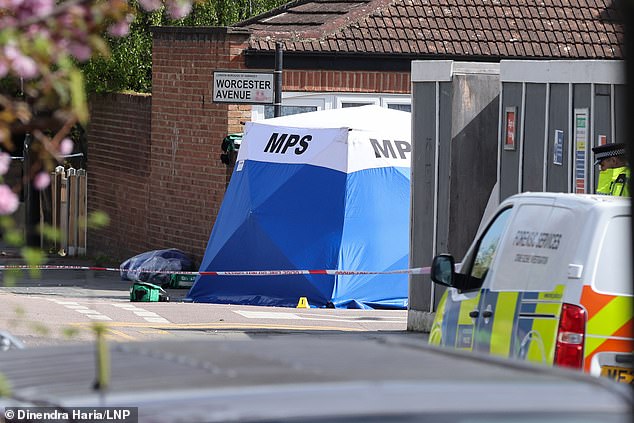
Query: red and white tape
414	271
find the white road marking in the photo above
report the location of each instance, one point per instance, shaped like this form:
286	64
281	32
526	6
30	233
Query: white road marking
320	317
98	317
87	311
267	315
143	313
148	316
157	319
126	306
75	306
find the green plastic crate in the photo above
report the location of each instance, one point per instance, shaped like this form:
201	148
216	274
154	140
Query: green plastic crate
147	292
182	281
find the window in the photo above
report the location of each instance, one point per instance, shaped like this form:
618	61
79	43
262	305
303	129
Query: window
302	102
269	111
401	107
487	247
292	103
344	101
346	105
397	103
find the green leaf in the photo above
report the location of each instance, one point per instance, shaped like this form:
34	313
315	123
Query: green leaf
5	386
19	311
98	219
50	233
99	46
10	276
78	95
41	46
70	332
40	329
14	237
34	257
103	358
129	67
6	222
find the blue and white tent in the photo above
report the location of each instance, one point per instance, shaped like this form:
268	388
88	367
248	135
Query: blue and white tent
315	191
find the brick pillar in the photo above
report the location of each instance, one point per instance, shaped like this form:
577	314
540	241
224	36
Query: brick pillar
188	180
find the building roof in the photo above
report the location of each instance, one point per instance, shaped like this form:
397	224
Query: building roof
487	30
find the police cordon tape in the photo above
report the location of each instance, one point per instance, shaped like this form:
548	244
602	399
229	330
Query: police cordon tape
413	271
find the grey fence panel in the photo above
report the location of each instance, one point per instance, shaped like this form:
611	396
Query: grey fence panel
533	163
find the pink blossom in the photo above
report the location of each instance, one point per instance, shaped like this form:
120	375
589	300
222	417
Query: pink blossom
8	200
150	5
10	4
25	9
179	8
41	181
11	51
39	7
22	65
37	31
66	146
25	67
13	3
81	51
5	162
121	28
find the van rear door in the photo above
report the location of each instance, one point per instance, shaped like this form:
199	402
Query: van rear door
608	301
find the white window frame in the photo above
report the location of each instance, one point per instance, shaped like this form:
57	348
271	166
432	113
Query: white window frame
292	99
360	99
387	100
327	101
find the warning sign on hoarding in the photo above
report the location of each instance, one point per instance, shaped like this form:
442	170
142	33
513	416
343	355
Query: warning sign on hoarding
243	87
511	125
581	140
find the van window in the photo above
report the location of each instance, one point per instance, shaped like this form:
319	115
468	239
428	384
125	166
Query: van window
614	270
487	247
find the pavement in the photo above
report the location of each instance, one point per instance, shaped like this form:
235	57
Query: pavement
62	283
69	282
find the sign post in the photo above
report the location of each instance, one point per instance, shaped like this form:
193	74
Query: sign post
277	104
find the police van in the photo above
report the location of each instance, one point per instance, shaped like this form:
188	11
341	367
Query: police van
549	280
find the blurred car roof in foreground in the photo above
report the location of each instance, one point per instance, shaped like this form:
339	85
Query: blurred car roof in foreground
311	378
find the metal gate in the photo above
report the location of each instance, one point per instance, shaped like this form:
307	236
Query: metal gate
69	210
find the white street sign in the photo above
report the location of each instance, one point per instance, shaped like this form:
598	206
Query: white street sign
243	87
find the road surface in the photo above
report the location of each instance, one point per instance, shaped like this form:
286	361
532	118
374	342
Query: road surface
62	306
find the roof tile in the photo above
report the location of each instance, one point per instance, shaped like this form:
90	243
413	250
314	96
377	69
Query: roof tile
483	28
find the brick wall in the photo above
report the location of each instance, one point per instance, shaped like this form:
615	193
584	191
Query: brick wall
339	81
119	171
188	179
154	164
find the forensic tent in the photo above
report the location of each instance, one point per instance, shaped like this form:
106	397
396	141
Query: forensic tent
325	190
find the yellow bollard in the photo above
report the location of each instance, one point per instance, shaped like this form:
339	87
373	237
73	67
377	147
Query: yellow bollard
303	303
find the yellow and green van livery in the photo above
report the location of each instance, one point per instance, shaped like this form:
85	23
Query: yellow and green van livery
547	281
